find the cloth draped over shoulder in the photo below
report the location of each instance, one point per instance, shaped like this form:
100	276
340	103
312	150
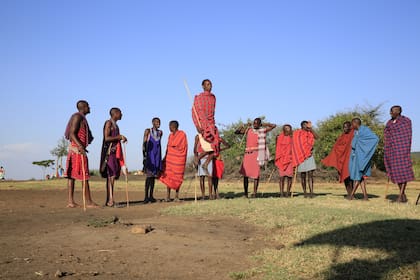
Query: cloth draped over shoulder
256	153
339	157
363	147
283	159
203	112
88	136
77	166
115	158
153	163
397	150
175	159
263	151
303	143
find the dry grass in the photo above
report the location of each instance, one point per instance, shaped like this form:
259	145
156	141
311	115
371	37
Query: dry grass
326	237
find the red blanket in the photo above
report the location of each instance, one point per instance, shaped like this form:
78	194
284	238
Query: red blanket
339	156
76	167
303	142
283	151
174	161
203	117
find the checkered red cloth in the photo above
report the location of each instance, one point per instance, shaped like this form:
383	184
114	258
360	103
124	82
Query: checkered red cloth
397	150
303	143
76	167
203	117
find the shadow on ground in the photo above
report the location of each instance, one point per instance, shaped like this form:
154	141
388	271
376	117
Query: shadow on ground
400	238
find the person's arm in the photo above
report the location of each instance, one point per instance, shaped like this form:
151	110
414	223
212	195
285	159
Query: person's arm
226	145
107	134
75	123
196	141
145	140
242	129
269	126
313	133
197	114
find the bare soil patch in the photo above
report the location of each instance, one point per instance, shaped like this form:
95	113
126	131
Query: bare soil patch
41	239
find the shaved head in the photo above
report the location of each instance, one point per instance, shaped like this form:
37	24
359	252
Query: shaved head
114	111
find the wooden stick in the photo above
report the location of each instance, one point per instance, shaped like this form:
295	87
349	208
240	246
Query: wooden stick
126	174
195	188
192	101
294	182
84	181
418	198
269	179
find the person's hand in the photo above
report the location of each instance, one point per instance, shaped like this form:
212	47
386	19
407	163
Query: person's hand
123	138
81	150
195	161
124	170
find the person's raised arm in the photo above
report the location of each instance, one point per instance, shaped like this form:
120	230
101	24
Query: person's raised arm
313	133
269	126
226	145
242	129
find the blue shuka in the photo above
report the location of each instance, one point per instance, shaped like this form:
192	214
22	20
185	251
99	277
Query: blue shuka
153	163
363	147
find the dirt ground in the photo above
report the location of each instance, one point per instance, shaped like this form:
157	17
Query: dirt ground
41	239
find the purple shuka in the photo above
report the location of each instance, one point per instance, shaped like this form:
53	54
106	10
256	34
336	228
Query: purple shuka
113	167
397	150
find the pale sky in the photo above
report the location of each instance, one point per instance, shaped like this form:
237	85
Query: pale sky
287	60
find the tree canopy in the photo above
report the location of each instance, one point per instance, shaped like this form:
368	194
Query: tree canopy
44	164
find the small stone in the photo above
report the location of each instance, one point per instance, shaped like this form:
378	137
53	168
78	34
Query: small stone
59	274
141	229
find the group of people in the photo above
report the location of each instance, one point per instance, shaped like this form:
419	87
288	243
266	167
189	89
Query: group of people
354	148
351	154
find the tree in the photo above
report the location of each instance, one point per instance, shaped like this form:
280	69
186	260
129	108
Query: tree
330	128
44	164
60	151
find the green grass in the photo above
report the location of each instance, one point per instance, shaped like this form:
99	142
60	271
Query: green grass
326	237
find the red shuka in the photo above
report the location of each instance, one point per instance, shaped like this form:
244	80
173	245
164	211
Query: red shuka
175	159
203	111
339	157
284	152
303	142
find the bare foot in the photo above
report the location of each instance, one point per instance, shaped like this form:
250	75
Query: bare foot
110	204
92	205
73	205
